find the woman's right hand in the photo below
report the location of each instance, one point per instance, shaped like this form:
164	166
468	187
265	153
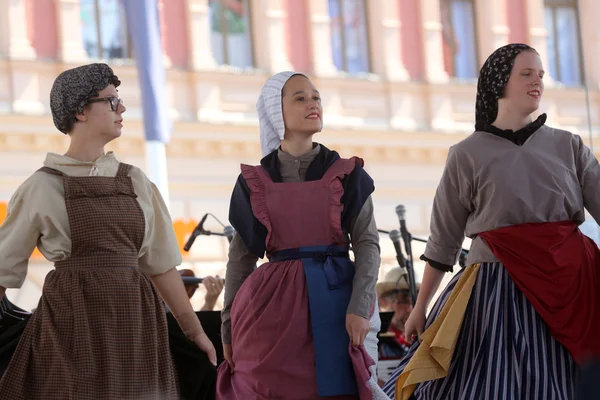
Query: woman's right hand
415	324
228	355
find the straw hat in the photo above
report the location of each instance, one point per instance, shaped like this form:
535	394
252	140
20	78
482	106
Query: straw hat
393	280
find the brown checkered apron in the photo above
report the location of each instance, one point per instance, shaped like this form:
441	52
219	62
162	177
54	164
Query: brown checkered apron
100	329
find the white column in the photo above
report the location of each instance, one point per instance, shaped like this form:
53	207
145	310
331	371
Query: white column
537	30
259	27
156	164
71	40
275	15
19	45
500	29
432	39
589	12
199	26
384	22
492	29
320	26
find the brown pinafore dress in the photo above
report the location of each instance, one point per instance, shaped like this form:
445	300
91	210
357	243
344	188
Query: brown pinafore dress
100	329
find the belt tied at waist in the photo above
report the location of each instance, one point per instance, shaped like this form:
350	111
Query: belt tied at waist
338	268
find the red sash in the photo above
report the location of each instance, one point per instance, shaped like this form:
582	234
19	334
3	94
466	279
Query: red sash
558	270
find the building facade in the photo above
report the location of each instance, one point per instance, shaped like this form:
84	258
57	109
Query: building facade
397	78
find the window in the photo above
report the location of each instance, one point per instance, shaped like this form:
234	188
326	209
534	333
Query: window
349	38
230	36
459	46
104	30
564	58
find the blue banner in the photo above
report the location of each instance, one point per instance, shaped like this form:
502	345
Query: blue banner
144	30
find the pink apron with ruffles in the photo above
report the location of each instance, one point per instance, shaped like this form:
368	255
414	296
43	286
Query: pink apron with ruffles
272	340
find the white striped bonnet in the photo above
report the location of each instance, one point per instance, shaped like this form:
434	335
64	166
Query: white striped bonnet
270	112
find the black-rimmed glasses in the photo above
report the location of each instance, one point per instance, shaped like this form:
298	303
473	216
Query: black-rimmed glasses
114	101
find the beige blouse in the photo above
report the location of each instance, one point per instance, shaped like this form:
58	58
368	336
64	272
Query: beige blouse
37	216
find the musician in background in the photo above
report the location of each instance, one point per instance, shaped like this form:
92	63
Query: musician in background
214	287
394	295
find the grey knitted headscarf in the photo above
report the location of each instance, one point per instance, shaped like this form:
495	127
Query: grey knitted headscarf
72	89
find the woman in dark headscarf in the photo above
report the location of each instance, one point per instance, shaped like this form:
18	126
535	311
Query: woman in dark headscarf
100	330
517	321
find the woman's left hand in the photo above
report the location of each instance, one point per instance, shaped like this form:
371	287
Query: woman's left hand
204	344
357	327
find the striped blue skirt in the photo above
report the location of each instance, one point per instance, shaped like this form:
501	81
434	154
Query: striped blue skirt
504	350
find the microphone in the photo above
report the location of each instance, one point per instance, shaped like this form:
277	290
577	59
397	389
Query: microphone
197	231
395	238
229	232
401	212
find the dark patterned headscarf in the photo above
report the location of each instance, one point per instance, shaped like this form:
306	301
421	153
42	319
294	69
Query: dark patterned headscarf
72	89
493	78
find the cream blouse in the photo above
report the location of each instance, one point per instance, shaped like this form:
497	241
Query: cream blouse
37	216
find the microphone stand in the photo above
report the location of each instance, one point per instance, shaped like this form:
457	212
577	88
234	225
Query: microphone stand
394	236
211	233
199	230
412	284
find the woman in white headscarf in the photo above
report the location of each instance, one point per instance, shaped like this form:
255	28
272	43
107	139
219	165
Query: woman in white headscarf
302	326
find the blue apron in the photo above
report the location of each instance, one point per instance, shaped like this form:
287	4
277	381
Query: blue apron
329	273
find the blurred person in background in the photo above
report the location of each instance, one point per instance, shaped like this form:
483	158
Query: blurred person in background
214	286
394	296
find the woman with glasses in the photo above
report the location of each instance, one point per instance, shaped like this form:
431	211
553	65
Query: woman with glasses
100	330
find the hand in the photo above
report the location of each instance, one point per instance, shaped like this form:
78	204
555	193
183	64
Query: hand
204	344
228	354
189	288
357	327
415	324
214	287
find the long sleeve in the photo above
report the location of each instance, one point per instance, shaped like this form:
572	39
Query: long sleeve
367	258
451	209
19	235
588	173
160	250
240	265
